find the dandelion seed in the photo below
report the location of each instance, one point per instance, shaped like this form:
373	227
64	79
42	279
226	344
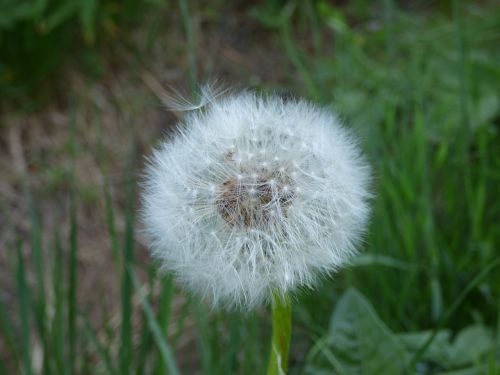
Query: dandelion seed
238	230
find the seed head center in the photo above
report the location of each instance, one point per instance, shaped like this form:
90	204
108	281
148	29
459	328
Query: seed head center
254	200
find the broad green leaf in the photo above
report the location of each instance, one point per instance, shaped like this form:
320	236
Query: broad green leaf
470	345
468	348
466	371
361	342
487	107
439	349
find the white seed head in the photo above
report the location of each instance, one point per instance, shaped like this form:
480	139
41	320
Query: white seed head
238	228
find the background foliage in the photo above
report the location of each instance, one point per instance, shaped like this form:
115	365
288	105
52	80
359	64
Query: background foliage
418	80
38	36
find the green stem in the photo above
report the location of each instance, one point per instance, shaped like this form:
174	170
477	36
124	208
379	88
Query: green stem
282	330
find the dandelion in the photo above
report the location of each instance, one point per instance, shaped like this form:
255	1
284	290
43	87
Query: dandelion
254	197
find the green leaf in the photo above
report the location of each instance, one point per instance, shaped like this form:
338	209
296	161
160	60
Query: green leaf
466	371
471	343
361	342
438	350
487	107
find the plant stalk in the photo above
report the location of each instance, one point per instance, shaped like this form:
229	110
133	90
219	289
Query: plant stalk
282	331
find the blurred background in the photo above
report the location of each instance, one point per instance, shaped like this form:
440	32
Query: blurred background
80	82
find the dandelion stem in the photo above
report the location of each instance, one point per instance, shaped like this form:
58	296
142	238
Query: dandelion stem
282	330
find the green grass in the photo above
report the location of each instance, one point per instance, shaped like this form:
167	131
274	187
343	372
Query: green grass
420	86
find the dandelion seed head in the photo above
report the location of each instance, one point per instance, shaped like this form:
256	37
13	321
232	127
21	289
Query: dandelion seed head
284	199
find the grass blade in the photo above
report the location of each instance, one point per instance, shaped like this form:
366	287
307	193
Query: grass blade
73	247
164	316
205	346
470	286
191	46
7	335
57	327
127	261
155	328
24	300
108	201
39	298
294	56
102	350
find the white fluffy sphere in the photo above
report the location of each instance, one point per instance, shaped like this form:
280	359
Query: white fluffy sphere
255	195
